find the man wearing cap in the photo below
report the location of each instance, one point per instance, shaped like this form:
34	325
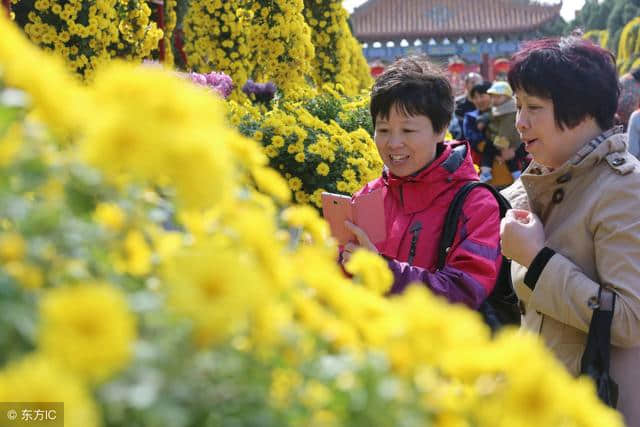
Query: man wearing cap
502	136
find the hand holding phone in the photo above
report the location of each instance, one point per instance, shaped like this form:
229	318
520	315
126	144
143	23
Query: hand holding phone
366	211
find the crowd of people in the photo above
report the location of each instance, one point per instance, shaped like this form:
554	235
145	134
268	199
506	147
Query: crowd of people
572	236
485	116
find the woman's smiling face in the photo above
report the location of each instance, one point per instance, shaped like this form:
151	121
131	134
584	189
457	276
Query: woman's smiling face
406	143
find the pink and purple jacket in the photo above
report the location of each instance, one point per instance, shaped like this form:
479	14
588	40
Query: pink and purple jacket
415	208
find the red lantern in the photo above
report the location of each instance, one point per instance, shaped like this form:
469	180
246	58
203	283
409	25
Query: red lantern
501	65
456	67
376	69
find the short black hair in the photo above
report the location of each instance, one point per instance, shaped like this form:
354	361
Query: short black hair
479	89
416	87
578	76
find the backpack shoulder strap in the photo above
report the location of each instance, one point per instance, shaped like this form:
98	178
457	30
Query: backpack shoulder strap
453	215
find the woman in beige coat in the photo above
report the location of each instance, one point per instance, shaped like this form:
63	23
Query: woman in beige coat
575	226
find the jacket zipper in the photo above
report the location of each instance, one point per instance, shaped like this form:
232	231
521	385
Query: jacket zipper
415	229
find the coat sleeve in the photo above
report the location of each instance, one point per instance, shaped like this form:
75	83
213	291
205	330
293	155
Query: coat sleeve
562	289
473	263
634	133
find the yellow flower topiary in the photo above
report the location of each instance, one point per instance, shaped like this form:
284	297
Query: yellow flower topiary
629	45
89	34
338	55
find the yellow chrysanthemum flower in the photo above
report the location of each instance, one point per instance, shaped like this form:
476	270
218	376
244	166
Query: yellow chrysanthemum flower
208	284
28	275
171	142
271	183
322	169
13	247
10	144
137	254
110	216
87	328
36	378
371	270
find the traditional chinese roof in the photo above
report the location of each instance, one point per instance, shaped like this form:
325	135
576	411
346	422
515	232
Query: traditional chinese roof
395	19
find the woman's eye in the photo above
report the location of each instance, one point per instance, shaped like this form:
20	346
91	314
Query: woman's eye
408	130
382	130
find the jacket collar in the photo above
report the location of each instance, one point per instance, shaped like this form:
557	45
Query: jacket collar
416	192
595	151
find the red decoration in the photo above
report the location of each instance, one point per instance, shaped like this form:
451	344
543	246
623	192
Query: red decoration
160	15
456	67
7	6
501	65
179	43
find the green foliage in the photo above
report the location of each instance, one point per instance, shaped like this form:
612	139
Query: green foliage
555	27
593	15
611	15
623	12
17	320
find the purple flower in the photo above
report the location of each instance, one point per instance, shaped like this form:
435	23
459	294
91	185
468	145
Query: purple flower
220	82
263	92
198	78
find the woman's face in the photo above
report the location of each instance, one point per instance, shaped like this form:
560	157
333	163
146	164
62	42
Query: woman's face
406	143
549	145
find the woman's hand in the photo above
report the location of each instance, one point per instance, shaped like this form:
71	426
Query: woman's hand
521	236
363	242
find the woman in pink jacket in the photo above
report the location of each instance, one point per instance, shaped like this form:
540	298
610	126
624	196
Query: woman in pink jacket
411	106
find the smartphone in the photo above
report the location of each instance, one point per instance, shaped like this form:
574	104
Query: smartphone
336	209
367	212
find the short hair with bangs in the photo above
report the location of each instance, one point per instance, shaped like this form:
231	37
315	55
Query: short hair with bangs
578	76
479	89
416	87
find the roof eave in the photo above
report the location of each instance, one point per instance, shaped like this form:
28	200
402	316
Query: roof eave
441	34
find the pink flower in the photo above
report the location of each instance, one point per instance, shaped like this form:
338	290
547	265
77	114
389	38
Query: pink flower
220	82
198	78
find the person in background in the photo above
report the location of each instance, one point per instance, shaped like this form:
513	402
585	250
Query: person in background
464	104
473	124
633	132
574	233
629	96
411	105
502	136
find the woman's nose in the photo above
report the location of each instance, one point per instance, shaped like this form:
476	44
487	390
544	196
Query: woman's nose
395	139
522	121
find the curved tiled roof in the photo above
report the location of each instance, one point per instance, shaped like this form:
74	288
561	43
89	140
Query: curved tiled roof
390	19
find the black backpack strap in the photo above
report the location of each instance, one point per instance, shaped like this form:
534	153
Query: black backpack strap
595	359
453	215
